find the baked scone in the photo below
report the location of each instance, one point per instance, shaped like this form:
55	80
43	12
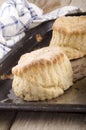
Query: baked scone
42	74
69	33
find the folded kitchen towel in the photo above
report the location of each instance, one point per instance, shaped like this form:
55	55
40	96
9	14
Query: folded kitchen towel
17	16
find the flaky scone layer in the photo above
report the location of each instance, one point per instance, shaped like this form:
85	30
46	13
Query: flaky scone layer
42	74
71	25
70	32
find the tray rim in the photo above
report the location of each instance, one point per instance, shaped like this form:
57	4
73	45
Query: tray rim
74	108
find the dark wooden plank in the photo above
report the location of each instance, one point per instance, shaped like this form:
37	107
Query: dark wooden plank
6	119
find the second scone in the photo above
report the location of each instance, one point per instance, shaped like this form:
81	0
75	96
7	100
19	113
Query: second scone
69	33
42	74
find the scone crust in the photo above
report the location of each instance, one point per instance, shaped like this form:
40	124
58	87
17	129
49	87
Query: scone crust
38	58
42	74
71	25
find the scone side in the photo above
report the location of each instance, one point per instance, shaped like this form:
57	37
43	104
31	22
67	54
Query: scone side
78	43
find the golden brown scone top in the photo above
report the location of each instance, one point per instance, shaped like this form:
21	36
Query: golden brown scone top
71	25
41	57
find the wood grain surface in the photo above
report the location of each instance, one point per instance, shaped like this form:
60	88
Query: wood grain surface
45	121
49	121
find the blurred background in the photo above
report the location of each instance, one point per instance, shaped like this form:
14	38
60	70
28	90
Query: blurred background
49	5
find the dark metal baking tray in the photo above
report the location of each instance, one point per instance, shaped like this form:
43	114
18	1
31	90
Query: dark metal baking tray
73	100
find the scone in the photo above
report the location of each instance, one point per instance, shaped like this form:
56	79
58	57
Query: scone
69	33
42	74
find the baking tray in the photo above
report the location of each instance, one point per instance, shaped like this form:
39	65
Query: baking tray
73	100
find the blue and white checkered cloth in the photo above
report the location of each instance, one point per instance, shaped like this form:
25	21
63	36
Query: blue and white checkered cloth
17	16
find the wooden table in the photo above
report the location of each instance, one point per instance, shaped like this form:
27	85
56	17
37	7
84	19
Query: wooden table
13	120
